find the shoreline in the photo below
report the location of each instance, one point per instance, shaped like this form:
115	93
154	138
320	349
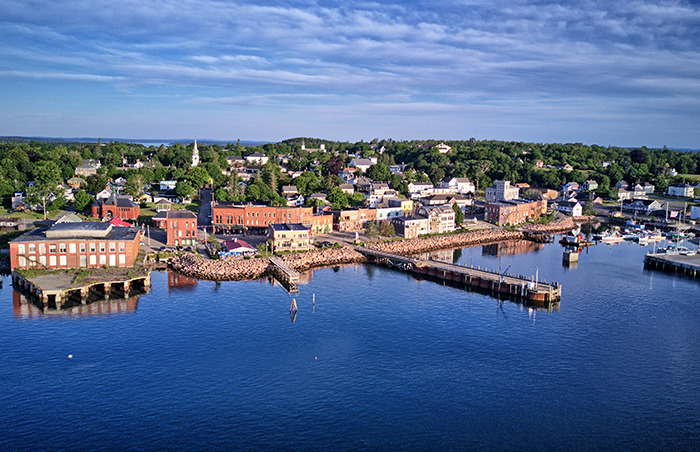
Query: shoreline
249	269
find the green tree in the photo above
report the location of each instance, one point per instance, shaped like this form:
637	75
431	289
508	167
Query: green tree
459	215
379	172
198	176
82	200
371	229
337	198
184	189
386	229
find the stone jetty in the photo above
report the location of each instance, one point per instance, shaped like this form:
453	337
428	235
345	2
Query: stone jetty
219	270
425	244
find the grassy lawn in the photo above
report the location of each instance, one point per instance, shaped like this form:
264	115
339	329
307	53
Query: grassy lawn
693	177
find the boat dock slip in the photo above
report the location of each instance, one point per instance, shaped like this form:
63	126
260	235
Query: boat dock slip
515	285
675	263
285	274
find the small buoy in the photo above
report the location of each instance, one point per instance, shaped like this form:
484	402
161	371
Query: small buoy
315	357
70	356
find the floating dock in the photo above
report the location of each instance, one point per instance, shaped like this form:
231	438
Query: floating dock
539	293
674	263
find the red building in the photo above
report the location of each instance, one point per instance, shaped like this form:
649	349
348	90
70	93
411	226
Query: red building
116	207
515	211
229	216
75	245
180	226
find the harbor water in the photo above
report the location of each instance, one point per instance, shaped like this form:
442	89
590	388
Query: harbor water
373	359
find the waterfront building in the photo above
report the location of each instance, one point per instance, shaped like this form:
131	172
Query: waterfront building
116	207
75	245
227	216
573	208
411	227
322	223
623	193
514	211
441	218
289	237
406	205
180	226
237	248
417	189
353	219
501	191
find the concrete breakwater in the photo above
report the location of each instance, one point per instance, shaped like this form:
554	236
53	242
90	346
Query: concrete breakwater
425	244
193	265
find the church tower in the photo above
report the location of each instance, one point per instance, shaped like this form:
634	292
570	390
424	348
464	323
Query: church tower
195	154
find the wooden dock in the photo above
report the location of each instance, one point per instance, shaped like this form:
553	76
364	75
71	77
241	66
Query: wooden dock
674	263
540	293
286	275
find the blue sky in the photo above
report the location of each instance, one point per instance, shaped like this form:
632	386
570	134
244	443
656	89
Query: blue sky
603	72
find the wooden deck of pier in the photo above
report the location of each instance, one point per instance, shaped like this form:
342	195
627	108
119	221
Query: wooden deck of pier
285	274
675	263
515	285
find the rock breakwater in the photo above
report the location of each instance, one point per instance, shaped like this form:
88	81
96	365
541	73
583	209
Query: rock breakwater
425	244
219	270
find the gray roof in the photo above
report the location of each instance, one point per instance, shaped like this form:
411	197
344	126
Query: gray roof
174	214
76	231
288	227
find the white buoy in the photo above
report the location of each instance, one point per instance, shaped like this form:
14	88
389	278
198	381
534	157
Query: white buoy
70	356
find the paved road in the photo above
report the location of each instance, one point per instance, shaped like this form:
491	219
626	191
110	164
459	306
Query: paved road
204	215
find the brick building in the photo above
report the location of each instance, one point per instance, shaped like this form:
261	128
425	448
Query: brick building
180	226
515	211
322	223
116	207
75	245
234	216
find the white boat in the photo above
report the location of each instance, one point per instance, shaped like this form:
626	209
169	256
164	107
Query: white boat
613	237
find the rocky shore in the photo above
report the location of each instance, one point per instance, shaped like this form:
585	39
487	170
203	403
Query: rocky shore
425	244
218	270
195	266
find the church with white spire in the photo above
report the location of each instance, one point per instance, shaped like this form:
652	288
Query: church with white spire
195	154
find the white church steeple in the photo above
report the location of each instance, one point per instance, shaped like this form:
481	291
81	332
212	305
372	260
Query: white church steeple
195	154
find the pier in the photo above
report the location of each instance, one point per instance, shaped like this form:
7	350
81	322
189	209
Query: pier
518	286
52	291
285	274
674	263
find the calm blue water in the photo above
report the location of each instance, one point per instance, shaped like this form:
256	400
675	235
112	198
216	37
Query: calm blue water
381	361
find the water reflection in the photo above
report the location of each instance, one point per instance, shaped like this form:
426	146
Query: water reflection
24	308
511	248
178	281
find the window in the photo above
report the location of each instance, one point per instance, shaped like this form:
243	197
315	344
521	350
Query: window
103	259
32	248
61	247
102	247
20	249
52	248
92	247
62	261
42	248
52	261
122	247
82	247
93	259
71	248
112	247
